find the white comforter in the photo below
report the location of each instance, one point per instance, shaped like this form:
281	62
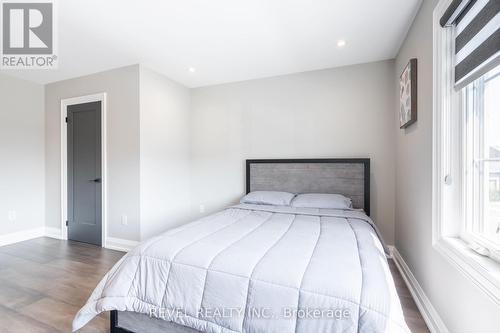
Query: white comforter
254	268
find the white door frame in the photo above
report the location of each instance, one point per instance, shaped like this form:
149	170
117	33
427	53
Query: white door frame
100	97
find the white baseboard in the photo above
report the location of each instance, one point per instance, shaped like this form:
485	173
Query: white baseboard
53	232
429	313
391	252
21	236
112	243
120	244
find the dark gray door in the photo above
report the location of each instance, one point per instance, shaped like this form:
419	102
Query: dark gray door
84	173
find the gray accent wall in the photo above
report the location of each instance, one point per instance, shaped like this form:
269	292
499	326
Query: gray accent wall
22	148
461	305
122	88
340	112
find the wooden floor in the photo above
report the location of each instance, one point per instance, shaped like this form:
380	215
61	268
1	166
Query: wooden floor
44	282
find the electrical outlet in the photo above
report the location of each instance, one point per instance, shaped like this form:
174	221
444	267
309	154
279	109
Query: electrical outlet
202	208
12	215
124	220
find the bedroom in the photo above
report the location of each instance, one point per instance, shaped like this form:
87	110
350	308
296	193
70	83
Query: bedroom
153	122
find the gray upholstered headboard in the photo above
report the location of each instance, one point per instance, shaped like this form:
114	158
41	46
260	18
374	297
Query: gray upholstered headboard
349	177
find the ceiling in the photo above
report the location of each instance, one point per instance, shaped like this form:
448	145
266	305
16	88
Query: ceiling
224	40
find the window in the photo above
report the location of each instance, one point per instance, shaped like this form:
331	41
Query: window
481	138
466	139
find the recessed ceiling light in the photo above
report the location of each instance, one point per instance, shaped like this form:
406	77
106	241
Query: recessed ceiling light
192	69
341	43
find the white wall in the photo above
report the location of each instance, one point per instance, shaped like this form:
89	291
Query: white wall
164	153
341	112
462	306
147	146
22	150
171	149
122	88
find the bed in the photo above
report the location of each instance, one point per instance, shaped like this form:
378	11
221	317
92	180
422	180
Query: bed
261	268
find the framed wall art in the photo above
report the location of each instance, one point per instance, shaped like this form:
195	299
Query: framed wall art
408	95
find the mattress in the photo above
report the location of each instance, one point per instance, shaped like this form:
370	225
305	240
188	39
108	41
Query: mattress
258	268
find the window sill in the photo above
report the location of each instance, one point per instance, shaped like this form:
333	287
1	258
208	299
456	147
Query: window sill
482	271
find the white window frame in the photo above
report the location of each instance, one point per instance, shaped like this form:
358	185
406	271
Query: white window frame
448	204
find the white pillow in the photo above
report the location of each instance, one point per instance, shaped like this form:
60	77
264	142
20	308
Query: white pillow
322	200
268	198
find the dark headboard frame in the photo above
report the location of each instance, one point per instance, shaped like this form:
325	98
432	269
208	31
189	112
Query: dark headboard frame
364	161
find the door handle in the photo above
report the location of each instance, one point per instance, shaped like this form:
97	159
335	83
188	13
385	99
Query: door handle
97	180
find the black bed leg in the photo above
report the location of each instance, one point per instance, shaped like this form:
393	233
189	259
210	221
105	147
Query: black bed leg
113	323
113	320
